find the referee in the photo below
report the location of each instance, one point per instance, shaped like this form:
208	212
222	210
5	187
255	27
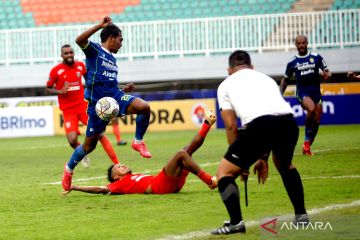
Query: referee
268	124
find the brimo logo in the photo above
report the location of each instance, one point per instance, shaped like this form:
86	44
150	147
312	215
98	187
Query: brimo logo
270	226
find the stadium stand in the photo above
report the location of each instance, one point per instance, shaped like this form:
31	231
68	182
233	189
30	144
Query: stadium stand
173	31
345	4
325	31
31	13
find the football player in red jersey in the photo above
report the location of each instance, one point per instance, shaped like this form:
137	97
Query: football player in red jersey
170	179
65	81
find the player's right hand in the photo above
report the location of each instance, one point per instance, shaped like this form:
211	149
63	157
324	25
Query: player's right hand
106	21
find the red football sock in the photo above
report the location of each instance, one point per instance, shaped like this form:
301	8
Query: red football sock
105	142
116	132
205	177
204	129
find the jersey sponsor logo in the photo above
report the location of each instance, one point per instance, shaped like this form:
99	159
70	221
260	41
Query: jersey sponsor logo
111	75
138	178
304	66
109	66
309	71
75	88
60	71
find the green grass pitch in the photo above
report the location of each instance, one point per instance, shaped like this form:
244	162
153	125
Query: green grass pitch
31	206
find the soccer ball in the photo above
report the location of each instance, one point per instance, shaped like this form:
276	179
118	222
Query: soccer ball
107	108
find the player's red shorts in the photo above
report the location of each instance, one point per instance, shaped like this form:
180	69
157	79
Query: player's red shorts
162	184
73	116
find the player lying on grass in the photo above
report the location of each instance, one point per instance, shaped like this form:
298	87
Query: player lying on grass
170	179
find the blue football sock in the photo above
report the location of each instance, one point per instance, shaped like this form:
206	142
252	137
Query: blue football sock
308	133
142	123
314	132
76	157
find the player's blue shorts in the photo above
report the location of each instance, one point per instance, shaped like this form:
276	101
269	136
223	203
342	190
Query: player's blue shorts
313	93
97	125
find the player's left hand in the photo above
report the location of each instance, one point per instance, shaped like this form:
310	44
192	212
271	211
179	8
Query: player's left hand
261	168
128	87
105	21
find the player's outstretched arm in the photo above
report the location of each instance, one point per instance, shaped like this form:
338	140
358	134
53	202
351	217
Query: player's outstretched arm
82	39
198	140
90	189
283	84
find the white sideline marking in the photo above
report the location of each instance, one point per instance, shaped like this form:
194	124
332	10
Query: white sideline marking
22	148
251	223
216	163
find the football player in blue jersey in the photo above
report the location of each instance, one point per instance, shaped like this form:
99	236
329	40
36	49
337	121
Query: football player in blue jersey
101	81
306	66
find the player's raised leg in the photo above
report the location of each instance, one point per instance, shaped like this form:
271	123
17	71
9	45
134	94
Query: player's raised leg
142	109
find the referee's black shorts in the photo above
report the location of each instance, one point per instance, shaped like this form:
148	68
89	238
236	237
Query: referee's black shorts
278	134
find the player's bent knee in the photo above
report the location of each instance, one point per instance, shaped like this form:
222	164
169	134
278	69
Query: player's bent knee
182	154
144	107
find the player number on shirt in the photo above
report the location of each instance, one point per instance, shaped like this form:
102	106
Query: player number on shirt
125	98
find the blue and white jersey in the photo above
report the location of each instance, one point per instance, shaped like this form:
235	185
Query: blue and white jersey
101	75
306	69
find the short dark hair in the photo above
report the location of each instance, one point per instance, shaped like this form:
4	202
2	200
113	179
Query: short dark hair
110	30
110	177
65	46
301	36
239	57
